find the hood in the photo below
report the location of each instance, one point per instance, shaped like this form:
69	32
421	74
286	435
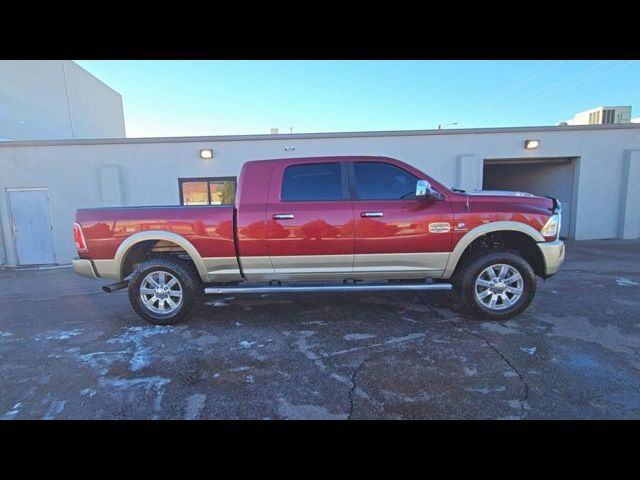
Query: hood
500	193
506	196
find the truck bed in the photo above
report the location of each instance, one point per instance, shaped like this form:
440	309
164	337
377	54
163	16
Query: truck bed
208	228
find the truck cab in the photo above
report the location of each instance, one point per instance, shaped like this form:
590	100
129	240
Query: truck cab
341	218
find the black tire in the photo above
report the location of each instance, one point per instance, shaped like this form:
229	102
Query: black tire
469	273
189	284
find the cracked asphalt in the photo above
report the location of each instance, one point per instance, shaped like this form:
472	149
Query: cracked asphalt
70	351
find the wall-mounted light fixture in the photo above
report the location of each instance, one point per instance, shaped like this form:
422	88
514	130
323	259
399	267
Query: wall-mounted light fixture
206	153
531	144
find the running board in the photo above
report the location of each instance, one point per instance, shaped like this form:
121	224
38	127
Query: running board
375	287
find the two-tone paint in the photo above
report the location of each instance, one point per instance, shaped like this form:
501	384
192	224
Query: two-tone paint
263	237
205	233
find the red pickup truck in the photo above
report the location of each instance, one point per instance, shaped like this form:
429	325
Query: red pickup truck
327	224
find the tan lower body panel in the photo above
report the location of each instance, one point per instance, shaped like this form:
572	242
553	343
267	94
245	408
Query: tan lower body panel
361	266
84	267
400	262
219	269
313	263
553	255
255	266
107	269
319	276
222	269
312	267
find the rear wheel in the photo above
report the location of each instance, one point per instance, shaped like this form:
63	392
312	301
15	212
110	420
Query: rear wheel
497	285
163	290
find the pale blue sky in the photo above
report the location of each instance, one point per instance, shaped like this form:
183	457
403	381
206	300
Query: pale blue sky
176	98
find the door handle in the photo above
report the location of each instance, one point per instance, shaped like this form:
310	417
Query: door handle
282	216
371	214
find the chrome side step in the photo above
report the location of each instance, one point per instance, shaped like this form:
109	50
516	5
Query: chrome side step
375	287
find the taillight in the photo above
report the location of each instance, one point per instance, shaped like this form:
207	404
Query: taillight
78	236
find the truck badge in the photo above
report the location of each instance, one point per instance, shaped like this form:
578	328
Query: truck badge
440	227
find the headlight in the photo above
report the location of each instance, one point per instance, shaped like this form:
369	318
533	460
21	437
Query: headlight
552	227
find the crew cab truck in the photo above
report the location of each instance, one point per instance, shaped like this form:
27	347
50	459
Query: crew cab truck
327	224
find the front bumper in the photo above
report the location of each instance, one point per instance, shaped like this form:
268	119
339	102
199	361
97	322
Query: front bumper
553	256
84	267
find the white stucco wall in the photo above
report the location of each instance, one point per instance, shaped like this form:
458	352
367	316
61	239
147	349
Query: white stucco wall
629	225
148	169
54	99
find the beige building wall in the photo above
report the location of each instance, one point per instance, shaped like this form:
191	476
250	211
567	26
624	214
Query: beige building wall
56	99
97	173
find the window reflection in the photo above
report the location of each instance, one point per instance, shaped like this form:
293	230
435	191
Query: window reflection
208	191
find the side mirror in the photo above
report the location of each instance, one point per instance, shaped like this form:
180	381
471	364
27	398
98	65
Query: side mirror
423	189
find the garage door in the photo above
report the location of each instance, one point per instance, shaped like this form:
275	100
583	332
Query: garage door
545	177
31	225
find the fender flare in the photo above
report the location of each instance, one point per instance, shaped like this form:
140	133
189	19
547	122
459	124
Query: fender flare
481	230
157	235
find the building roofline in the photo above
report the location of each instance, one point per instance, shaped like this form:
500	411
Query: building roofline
307	136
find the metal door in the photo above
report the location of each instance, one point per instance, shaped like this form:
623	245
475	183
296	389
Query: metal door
31	225
395	234
540	176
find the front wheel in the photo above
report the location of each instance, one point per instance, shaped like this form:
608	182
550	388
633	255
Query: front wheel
497	285
163	290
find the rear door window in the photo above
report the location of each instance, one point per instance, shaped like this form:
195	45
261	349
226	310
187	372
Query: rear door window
313	182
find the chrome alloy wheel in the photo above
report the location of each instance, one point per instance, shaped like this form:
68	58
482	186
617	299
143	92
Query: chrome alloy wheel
499	286
161	292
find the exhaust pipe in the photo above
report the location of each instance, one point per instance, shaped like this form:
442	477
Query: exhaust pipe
115	286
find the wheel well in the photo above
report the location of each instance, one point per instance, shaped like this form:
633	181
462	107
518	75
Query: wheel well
152	248
517	242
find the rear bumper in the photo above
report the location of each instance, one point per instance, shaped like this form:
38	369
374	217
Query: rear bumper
84	267
553	255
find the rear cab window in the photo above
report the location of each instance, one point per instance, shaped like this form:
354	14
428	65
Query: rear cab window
313	182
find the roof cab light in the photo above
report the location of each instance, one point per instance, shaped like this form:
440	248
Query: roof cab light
78	237
552	227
